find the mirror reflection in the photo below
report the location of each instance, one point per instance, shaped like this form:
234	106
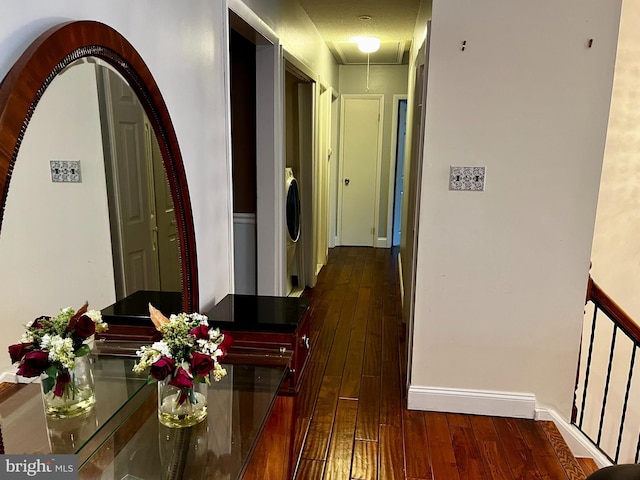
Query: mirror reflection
99	229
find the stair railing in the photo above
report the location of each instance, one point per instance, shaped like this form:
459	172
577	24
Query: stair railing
607	394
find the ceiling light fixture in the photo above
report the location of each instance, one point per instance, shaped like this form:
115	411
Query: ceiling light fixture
367	44
364	17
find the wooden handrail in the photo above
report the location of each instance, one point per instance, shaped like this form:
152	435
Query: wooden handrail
613	310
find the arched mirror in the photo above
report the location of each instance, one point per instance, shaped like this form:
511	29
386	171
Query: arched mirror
92	182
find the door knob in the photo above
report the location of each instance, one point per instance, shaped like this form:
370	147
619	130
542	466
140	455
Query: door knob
346	181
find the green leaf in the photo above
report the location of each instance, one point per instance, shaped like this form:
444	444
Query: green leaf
82	351
52	372
48	383
151	380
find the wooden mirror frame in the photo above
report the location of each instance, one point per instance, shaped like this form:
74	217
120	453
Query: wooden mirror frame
48	55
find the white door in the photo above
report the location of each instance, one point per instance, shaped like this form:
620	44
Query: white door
165	238
139	268
361	149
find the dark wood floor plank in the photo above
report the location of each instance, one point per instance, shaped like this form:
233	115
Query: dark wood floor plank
417	463
516	451
391	464
390	402
543	454
368	422
355	353
365	461
341	447
443	459
317	441
345	274
338	353
372	364
495	464
310	470
465	448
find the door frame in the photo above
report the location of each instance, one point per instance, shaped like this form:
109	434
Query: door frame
307	174
393	161
270	224
376	215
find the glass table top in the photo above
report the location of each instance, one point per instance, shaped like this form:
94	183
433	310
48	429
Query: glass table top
26	429
122	438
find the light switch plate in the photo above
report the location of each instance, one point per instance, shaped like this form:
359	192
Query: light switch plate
65	171
466	178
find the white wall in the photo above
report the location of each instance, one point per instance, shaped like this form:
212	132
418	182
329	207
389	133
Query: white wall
615	254
55	244
387	80
184	48
502	273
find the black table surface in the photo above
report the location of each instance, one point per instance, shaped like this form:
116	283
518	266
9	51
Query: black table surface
257	313
134	309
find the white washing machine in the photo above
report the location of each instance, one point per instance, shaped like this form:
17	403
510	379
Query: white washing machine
292	214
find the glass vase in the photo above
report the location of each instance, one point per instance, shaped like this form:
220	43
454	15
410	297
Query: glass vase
181	407
74	397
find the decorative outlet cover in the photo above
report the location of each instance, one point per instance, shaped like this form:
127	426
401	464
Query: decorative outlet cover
65	171
466	178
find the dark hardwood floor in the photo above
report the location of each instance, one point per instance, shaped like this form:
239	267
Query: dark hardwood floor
359	427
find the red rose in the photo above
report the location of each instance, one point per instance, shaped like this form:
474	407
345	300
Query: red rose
61	380
17	351
84	327
33	364
37	323
227	343
181	379
201	332
162	368
201	364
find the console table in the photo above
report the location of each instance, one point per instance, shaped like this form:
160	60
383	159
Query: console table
121	436
263	327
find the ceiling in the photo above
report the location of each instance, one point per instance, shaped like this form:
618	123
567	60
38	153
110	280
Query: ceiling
338	21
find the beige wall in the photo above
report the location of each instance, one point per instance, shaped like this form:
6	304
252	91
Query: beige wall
502	273
616	247
387	80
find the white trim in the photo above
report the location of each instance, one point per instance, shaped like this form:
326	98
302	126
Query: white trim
382	242
577	442
245	13
472	402
393	160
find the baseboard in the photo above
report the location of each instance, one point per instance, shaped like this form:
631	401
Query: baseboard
472	402
577	442
381	242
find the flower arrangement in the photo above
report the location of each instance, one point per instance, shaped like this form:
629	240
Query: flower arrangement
51	345
189	352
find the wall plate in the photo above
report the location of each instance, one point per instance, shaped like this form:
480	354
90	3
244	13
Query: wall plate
467	178
67	171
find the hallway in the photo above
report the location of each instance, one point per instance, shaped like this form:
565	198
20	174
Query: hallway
360	427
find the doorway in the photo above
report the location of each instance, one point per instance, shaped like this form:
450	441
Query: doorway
398	194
